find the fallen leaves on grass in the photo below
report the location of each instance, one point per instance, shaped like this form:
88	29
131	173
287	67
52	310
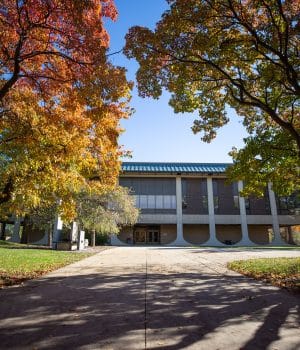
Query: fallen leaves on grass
280	272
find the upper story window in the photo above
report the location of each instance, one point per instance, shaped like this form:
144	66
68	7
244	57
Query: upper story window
226	197
288	204
194	196
155	202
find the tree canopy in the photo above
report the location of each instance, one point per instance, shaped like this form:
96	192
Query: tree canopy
242	54
61	101
108	212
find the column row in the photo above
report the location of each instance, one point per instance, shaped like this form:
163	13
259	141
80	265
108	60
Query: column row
211	215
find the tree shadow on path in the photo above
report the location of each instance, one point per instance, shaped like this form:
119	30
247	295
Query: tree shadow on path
110	310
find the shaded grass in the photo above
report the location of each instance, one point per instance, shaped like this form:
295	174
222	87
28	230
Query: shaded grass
19	262
281	272
14	245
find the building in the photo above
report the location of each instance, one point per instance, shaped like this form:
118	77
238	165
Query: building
192	204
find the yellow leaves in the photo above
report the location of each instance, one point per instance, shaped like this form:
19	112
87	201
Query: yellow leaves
60	126
58	145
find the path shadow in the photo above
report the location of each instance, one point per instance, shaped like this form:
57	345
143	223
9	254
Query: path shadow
100	310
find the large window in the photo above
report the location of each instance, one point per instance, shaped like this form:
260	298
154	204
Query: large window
288	204
155	201
194	196
226	197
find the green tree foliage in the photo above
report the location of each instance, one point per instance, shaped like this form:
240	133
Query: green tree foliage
242	54
108	212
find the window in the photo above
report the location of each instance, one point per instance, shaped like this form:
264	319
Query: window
159	202
204	202
236	203
137	201
143	202
167	202
216	202
173	202
155	202
247	203
151	202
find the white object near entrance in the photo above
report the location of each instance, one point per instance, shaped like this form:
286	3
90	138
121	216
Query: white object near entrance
81	238
74	229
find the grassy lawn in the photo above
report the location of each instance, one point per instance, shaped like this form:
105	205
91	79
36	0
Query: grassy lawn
281	272
20	262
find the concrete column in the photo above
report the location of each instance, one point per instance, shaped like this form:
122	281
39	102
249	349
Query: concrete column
245	236
57	231
16	232
277	237
179	239
211	215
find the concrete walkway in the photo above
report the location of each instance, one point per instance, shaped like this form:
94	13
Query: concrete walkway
153	298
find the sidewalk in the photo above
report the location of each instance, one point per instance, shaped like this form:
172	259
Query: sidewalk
154	298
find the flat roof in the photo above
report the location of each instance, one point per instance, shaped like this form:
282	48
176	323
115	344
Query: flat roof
167	168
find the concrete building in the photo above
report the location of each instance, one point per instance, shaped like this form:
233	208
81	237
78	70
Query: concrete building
192	204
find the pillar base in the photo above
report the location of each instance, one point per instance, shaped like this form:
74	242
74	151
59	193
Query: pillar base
245	243
114	240
279	242
179	243
213	243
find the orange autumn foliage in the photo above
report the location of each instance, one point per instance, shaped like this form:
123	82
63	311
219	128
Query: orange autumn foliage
61	103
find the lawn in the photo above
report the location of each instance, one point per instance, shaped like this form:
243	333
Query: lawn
20	262
281	272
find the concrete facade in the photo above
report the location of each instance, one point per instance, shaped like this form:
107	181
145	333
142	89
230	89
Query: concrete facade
192	204
220	217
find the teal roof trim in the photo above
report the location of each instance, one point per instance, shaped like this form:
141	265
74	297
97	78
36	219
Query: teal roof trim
139	167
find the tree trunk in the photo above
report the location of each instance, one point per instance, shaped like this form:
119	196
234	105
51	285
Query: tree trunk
93	238
290	239
50	235
3	235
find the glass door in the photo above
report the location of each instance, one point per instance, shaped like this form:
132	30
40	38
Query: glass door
140	236
153	236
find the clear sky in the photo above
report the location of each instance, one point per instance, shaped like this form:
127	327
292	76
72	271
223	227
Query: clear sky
155	133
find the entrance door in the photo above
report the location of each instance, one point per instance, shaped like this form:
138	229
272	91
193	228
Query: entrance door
140	236
153	236
146	235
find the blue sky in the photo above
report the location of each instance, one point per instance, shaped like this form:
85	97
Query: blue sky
155	132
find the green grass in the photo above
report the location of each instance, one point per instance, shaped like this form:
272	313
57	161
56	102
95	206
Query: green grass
282	272
21	262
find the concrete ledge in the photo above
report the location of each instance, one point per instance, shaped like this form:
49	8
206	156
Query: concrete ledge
195	219
289	219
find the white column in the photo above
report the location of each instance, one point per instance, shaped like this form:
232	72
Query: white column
277	237
243	215
179	239
211	215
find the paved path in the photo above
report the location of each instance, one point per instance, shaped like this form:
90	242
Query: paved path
153	298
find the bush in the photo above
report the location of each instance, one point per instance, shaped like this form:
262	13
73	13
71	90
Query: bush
101	239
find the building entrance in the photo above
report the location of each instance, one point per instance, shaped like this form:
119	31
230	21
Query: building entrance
146	235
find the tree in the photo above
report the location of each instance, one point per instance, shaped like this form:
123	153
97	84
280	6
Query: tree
106	213
52	152
242	54
61	103
47	43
